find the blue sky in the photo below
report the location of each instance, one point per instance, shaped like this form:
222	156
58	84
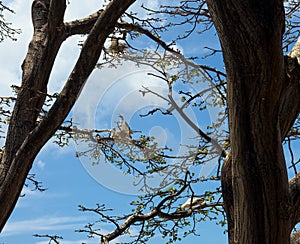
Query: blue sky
108	93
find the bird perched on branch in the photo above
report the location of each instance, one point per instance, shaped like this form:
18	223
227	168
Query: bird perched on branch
124	127
192	203
116	47
124	131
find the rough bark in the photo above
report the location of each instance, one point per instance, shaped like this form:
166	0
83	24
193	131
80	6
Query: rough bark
291	99
25	136
259	89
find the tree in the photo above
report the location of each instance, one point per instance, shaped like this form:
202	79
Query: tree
25	137
262	88
259	83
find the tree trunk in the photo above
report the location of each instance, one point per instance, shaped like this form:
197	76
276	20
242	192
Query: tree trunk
25	136
250	34
36	69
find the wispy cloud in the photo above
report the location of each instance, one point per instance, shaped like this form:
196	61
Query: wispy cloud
110	92
95	240
44	223
30	197
90	241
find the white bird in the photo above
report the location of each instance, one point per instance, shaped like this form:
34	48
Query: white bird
116	47
192	203
115	133
124	128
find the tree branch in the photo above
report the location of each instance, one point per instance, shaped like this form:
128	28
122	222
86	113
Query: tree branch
156	212
86	62
135	218
82	26
51	238
56	13
201	133
136	27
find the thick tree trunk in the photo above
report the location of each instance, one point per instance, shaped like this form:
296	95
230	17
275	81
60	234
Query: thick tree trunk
25	136
288	114
250	33
36	68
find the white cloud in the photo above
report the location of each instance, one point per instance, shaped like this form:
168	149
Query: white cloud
95	240
30	197
44	223
76	9
41	164
110	92
153	4
13	53
11	61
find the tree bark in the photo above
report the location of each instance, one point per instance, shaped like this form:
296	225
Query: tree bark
291	102
250	33
25	136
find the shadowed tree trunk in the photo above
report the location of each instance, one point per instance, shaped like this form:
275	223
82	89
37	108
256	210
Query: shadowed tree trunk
263	102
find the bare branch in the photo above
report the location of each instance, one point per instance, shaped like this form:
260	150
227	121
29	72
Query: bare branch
6	31
174	106
37	184
136	27
53	238
160	212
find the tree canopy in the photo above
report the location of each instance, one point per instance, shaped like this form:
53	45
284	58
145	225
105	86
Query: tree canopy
224	76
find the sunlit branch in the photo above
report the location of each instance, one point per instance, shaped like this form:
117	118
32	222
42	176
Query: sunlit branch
140	219
175	106
139	29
